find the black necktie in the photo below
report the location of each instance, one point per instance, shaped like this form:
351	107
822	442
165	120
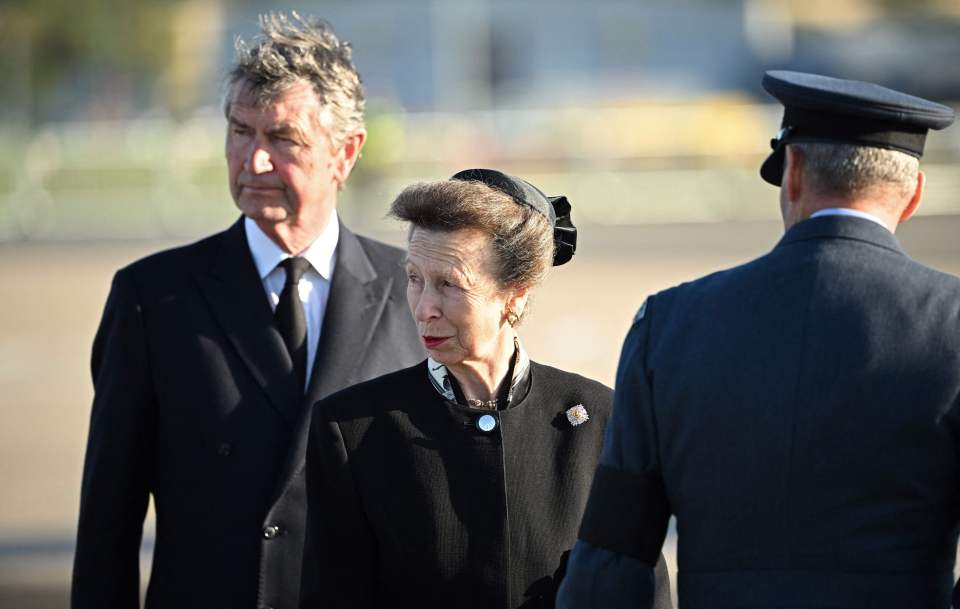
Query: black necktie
291	321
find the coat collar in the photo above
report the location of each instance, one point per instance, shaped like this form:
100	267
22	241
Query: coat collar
841	227
358	299
358	296
443	380
234	292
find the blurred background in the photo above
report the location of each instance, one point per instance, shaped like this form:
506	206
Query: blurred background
649	116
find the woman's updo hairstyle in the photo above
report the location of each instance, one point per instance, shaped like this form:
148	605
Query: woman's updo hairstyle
523	223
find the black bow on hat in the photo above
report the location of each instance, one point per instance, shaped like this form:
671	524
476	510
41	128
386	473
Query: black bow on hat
555	209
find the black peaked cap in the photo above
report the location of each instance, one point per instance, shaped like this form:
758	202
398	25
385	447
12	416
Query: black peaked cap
825	109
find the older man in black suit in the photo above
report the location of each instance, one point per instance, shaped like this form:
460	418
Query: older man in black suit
209	356
799	414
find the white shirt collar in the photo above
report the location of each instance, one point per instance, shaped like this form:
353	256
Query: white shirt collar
267	254
846	211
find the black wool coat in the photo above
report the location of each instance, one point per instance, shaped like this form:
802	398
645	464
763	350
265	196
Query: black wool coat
412	505
197	405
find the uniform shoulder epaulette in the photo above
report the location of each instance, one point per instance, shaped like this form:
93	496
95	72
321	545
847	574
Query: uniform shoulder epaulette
641	312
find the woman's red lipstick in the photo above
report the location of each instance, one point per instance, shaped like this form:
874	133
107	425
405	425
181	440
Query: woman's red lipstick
432	342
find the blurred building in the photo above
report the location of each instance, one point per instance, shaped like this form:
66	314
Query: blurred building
650	110
454	55
98	59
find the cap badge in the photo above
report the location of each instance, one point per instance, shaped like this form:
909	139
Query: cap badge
779	137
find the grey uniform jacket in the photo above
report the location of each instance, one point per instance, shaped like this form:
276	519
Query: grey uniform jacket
799	416
197	405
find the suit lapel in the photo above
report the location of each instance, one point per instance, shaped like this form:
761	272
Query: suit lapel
358	296
236	297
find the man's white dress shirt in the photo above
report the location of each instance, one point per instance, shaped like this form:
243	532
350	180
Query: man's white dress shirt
846	211
314	286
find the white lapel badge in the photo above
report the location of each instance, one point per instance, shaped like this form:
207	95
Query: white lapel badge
577	415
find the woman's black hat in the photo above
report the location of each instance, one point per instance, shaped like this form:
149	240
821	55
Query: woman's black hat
824	109
555	209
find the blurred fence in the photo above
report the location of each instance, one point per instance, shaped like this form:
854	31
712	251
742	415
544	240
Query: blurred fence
633	162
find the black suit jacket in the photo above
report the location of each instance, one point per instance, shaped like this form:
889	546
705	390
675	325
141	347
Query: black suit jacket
196	403
800	415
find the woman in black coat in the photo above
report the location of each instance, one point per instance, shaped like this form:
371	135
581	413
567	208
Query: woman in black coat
459	482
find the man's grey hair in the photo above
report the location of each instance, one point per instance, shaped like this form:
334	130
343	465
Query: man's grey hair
850	171
294	49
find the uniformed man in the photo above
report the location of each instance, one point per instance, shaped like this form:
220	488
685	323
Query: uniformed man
799	414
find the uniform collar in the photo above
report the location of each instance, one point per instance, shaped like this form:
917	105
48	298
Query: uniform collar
846	211
321	254
842	227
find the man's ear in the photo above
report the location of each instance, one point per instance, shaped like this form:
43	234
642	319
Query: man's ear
793	173
914	203
348	155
